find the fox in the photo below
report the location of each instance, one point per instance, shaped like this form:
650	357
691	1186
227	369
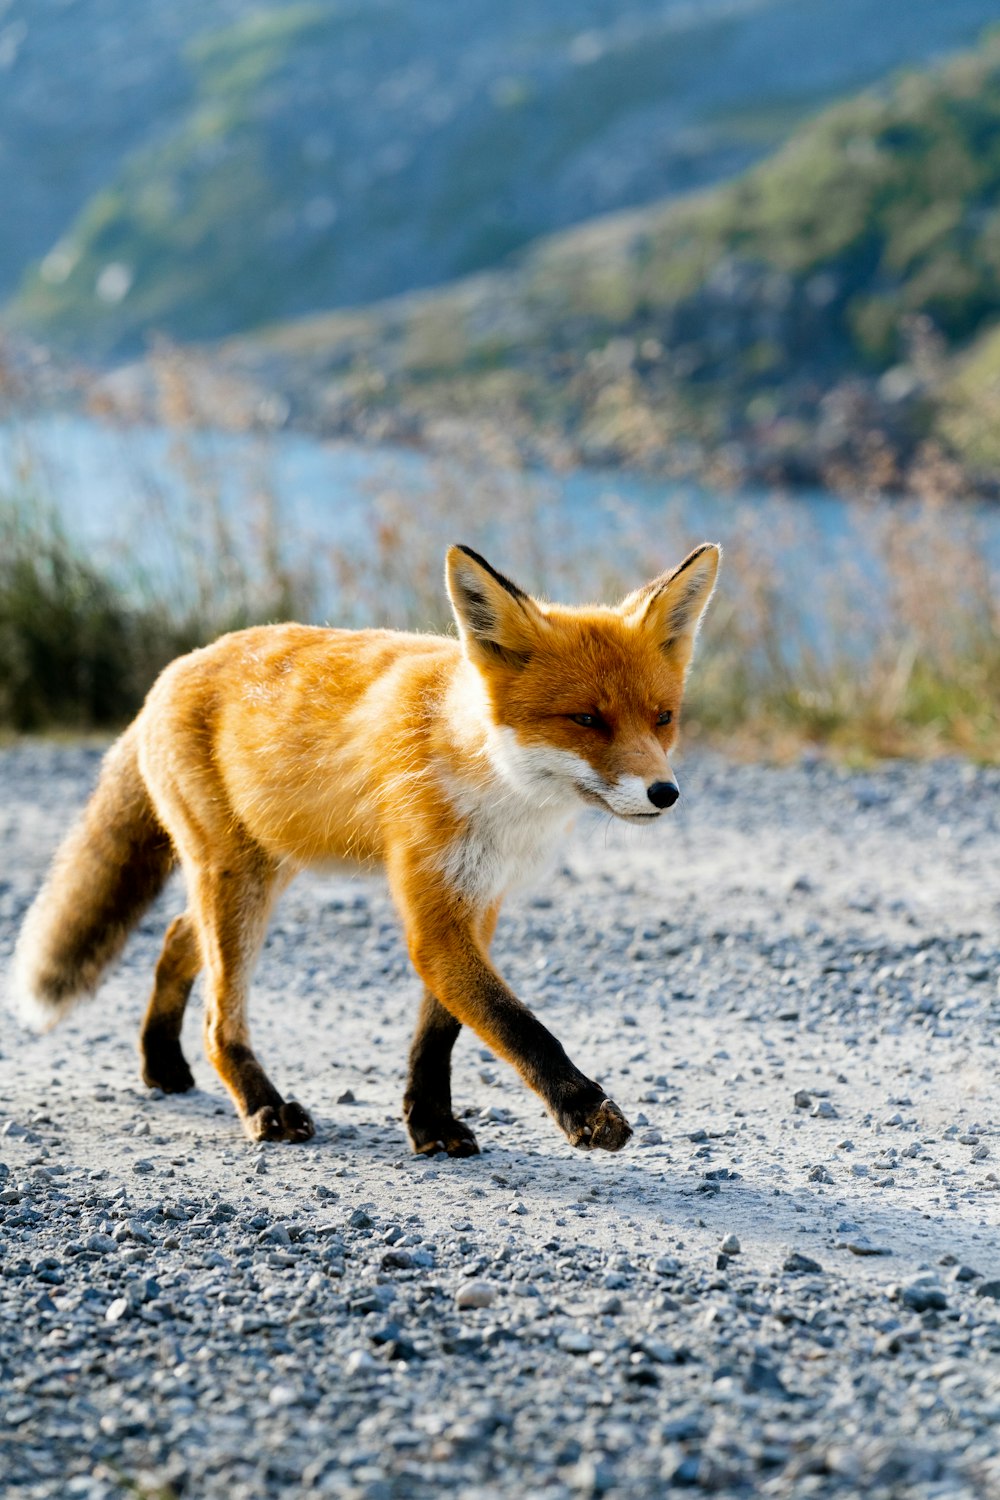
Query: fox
456	764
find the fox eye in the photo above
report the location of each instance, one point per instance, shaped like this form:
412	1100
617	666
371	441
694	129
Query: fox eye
587	721
666	717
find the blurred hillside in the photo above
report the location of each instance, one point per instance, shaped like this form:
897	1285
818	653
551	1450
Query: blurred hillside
302	157
830	315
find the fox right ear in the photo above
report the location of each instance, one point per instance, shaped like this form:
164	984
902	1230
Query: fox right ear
497	621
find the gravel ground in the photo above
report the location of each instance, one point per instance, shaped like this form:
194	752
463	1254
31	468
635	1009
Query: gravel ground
788	1285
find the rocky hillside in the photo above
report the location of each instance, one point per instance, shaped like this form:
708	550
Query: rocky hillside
828	313
308	156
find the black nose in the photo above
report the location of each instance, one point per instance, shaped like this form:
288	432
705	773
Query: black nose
663	793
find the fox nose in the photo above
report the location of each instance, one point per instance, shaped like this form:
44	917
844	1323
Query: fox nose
663	793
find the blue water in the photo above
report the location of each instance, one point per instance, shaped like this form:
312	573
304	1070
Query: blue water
147	493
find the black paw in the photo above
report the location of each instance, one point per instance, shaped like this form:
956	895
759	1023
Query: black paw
280	1122
164	1066
442	1134
595	1125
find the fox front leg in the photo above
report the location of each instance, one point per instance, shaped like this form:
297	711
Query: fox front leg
447	953
427	1107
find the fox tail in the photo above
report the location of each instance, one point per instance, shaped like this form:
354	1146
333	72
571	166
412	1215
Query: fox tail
109	868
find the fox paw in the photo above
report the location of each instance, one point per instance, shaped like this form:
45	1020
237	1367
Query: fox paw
443	1134
281	1122
596	1127
164	1066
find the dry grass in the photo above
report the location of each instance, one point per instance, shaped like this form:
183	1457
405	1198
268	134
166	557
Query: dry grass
886	644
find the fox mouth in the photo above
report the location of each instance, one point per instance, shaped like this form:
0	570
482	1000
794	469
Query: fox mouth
596	800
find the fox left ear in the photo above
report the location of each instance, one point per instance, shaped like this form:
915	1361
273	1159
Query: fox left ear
672	605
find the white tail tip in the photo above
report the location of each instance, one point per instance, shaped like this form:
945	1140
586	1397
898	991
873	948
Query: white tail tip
33	1009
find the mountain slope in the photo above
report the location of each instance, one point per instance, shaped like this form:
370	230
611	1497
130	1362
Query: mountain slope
814	303
322	154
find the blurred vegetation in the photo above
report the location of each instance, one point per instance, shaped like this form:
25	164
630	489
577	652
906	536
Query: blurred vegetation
325	153
75	651
828	316
890	650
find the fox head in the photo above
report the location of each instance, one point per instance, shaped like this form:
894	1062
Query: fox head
584	702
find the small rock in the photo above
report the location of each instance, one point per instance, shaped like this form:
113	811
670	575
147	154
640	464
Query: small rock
476	1294
102	1243
117	1310
283	1395
731	1245
989	1289
820	1174
360	1362
823	1110
575	1341
763	1379
922	1293
802	1100
493	1114
347	1097
800	1264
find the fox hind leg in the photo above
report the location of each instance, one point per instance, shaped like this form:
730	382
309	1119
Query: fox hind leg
427	1106
233	906
164	1065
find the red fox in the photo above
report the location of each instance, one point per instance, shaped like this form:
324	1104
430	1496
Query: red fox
455	765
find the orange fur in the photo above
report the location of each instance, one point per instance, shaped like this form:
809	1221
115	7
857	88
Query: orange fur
453	764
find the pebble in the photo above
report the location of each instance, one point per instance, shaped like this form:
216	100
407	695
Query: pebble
796	1262
102	1243
476	1294
730	1245
861	1245
922	1293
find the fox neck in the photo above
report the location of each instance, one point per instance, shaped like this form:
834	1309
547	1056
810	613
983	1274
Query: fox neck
513	820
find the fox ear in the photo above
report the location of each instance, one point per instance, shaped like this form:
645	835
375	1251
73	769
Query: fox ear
498	622
673	604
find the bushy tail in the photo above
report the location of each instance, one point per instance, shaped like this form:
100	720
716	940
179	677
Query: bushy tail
109	868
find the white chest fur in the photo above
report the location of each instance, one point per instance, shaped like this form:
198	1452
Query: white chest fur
506	842
515	817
